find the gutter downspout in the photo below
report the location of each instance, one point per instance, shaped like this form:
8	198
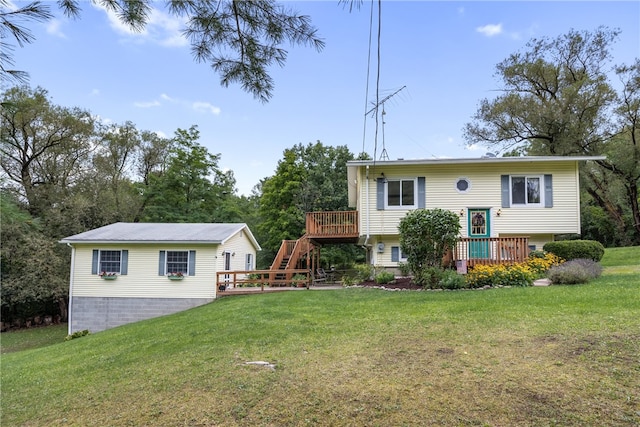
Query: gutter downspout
70	310
366	241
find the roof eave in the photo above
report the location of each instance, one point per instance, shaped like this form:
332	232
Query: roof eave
356	163
142	242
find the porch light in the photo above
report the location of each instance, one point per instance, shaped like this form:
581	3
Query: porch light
461	212
499	212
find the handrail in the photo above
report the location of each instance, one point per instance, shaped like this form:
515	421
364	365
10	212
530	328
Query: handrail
332	223
300	247
491	250
286	248
269	277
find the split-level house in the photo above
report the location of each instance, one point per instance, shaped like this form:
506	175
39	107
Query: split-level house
127	272
507	207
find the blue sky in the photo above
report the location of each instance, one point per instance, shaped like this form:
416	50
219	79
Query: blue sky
443	53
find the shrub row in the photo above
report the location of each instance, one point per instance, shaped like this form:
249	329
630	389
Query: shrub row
576	249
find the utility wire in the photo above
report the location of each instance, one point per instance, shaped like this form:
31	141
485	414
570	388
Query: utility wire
366	96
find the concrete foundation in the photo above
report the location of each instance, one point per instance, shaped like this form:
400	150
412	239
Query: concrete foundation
100	313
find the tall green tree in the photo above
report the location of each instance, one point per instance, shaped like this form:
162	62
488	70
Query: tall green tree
34	271
309	178
44	147
192	188
558	100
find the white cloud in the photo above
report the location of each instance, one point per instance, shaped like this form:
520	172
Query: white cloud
206	107
54	28
167	30
160	28
94	92
148	104
474	147
116	24
199	106
490	30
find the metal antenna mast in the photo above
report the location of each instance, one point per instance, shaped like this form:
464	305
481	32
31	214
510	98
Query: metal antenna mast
374	111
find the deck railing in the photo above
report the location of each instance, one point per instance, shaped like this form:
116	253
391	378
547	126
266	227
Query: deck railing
491	250
271	278
332	224
285	251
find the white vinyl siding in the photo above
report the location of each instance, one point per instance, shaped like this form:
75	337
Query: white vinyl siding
239	246
484	192
142	280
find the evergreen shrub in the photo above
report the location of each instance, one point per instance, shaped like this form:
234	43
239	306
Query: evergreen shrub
384	277
575	249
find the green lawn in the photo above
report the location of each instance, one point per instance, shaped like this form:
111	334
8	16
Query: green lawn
25	339
538	356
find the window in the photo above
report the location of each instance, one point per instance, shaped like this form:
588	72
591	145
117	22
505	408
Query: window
523	190
463	185
397	255
109	261
526	190
177	262
401	193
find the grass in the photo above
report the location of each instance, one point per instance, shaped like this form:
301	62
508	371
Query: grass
538	356
25	339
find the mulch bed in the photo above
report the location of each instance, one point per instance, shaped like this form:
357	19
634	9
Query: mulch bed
399	283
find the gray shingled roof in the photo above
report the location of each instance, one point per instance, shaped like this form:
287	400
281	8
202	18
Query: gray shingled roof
140	232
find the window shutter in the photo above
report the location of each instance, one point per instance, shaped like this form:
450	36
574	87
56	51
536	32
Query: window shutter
548	191
380	194
161	263
421	193
124	262
504	182
94	261
192	263
395	254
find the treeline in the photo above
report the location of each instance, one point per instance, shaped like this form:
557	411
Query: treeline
64	172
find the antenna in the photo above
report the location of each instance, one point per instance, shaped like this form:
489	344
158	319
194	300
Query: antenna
374	112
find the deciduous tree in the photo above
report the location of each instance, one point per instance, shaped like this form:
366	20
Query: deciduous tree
558	100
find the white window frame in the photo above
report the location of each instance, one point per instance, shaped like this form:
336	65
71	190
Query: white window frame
166	263
100	261
401	256
526	203
401	206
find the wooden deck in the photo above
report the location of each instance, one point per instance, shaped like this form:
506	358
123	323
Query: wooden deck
333	226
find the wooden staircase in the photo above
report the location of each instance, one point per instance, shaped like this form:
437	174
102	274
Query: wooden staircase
321	228
292	255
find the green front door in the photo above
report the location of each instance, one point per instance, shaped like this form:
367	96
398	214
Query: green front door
479	227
